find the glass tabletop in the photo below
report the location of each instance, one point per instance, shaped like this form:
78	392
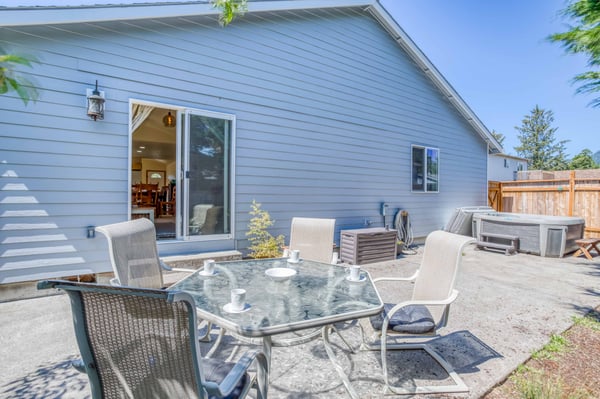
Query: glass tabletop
318	294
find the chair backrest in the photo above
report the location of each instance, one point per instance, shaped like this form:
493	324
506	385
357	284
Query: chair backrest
133	253
135	343
442	256
214	215
313	237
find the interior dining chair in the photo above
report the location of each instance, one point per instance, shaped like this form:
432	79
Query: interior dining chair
143	343
314	238
424	314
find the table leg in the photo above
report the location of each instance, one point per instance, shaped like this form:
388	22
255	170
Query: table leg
583	249
338	367
267	344
595	248
217	343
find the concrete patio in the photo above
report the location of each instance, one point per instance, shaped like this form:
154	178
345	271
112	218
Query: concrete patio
508	307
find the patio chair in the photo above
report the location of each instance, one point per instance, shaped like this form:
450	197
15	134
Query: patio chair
134	258
133	254
314	238
143	343
424	314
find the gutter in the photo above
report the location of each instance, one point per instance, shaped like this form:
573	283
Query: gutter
46	15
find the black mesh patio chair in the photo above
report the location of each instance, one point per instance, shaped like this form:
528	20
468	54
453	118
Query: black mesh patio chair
143	343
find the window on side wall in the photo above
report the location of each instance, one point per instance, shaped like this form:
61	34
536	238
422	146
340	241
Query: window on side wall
425	169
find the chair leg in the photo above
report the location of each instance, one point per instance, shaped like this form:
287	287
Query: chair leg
459	385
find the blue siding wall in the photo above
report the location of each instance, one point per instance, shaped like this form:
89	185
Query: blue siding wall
327	108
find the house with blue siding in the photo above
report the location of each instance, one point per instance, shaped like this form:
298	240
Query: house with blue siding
310	108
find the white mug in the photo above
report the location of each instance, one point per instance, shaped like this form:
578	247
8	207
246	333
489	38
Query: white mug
355	272
295	255
238	299
209	266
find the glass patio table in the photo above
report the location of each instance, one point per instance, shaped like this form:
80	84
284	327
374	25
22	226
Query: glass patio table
317	295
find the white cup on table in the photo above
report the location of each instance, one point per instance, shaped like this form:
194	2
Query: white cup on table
295	255
238	299
209	266
355	272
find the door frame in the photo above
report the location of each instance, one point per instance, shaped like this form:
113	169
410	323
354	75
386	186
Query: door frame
182	134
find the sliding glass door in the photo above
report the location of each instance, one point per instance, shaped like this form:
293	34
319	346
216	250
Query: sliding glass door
207	174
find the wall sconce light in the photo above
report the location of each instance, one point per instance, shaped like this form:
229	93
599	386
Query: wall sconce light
95	103
91	231
169	120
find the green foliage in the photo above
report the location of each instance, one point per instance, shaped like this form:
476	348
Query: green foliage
11	80
230	9
262	243
536	386
584	38
557	344
538	143
583	160
499	137
591	320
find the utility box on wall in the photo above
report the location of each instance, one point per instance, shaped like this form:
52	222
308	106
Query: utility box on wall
371	245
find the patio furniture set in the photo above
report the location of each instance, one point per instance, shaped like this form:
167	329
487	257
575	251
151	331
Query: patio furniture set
140	339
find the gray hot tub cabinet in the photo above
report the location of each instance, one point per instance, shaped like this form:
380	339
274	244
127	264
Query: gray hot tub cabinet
551	236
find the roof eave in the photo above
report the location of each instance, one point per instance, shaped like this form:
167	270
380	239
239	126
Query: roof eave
27	16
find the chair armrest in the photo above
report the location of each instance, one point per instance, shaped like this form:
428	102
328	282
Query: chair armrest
175	269
446	301
411	278
237	372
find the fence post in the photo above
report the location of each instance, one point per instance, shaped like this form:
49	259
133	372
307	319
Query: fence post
571	192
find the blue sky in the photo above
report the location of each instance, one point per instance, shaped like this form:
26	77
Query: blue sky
495	55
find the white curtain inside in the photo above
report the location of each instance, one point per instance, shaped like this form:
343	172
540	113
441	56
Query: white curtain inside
140	113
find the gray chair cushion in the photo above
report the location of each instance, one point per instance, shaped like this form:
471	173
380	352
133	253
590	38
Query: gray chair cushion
412	319
216	371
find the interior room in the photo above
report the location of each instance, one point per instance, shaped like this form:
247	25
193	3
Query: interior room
153	168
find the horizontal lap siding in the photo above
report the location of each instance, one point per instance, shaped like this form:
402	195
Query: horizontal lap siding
327	107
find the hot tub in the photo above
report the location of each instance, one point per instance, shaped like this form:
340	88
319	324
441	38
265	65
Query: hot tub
551	236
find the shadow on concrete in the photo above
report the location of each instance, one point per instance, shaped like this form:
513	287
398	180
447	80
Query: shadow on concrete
461	349
52	380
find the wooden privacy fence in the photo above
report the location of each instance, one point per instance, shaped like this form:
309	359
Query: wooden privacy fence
566	193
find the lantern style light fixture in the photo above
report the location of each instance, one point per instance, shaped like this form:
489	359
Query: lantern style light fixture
169	120
95	103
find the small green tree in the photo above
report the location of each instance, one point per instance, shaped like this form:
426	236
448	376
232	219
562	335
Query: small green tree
583	160
538	143
11	80
262	243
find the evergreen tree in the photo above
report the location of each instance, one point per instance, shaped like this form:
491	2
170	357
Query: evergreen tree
538	143
596	157
584	38
499	137
583	160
